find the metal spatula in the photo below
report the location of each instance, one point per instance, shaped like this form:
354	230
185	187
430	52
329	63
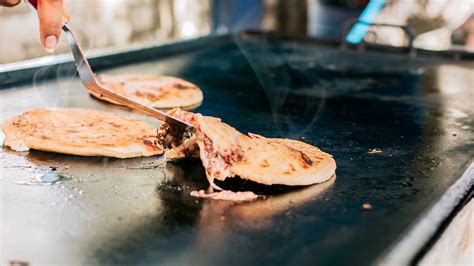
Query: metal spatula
88	79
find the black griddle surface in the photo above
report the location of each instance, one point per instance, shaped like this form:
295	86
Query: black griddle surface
105	211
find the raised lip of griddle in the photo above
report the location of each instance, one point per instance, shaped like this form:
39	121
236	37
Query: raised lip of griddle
455	54
407	249
24	71
431	224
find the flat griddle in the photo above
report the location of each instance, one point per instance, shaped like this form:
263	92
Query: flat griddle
416	110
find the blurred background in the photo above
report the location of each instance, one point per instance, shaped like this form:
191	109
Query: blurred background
107	25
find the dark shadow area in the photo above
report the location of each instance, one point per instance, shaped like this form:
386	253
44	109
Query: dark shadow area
193	229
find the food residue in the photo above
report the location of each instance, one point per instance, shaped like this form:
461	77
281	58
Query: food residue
226	195
367	206
374	151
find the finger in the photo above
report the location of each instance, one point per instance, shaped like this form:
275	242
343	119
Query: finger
9	3
50	15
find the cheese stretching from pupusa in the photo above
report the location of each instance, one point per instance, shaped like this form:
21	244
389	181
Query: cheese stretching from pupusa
225	153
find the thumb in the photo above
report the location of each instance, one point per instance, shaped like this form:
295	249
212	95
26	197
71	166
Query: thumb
50	16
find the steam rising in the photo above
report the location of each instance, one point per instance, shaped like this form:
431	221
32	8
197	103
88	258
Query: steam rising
283	74
62	75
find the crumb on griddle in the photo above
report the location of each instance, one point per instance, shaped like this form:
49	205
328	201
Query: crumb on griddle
374	151
367	206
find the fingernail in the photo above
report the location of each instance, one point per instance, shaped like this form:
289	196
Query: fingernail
50	43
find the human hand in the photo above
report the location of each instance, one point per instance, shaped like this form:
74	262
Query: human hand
50	14
9	3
